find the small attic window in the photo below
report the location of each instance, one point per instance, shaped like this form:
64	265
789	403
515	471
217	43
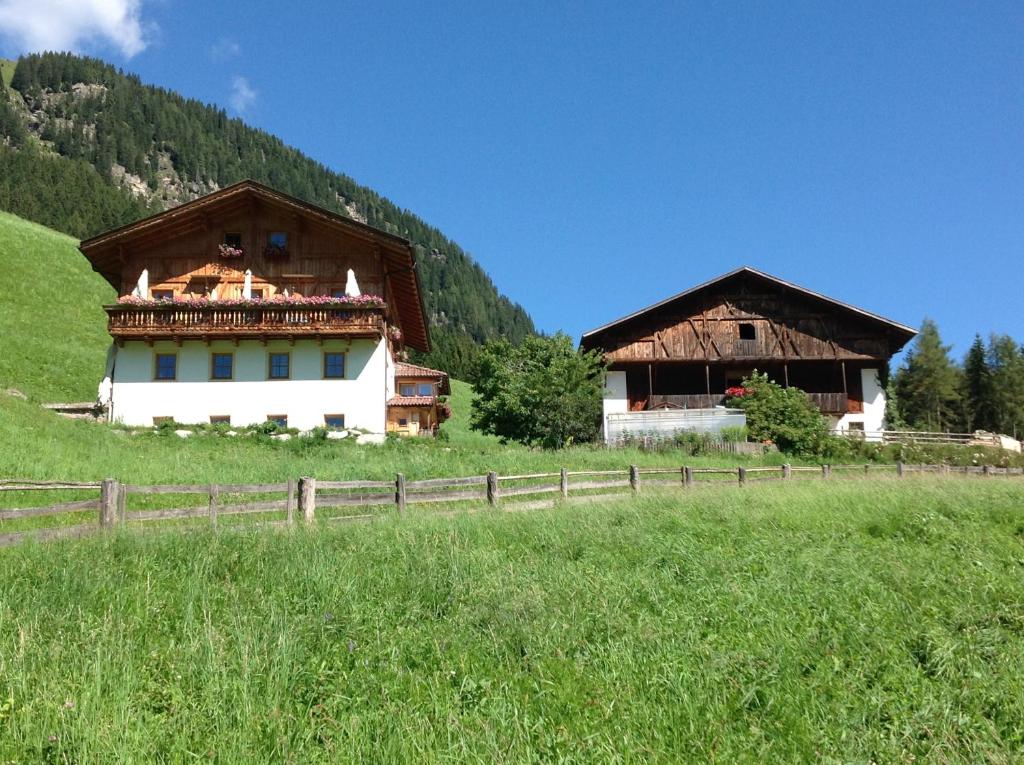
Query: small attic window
232	239
278	239
747	332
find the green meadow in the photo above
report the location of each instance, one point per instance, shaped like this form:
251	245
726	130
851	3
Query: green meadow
840	622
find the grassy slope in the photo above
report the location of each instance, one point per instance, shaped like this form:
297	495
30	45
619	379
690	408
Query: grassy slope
7	70
51	319
809	622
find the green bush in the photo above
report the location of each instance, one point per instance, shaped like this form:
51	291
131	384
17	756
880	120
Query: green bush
784	416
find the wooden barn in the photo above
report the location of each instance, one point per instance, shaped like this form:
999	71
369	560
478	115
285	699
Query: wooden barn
684	352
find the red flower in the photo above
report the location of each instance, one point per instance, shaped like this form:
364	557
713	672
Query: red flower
738	391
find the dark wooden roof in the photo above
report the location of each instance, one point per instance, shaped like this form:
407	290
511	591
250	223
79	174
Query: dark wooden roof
399	266
902	332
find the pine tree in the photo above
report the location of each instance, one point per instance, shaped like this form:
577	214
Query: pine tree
927	386
978	393
1006	360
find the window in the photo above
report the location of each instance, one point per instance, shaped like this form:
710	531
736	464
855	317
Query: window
279	366
407	389
334	421
278	239
166	366
232	239
415	417
163	294
403	422
221	366
255	294
747	332
334	366
856	426
157	421
338	293
220	419
425	389
280	419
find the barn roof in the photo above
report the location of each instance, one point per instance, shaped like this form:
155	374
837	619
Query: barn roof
902	331
104	250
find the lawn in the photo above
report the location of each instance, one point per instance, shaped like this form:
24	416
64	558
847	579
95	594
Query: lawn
843	622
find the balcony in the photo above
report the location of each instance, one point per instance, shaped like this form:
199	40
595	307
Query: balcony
828	403
234	322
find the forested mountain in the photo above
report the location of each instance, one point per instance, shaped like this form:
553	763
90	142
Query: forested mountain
85	147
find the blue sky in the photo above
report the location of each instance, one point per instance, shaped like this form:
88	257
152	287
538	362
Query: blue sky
597	158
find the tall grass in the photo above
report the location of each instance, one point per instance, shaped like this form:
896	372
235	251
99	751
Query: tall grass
836	622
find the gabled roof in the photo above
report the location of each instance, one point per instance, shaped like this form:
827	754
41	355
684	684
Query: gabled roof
104	251
404	370
902	331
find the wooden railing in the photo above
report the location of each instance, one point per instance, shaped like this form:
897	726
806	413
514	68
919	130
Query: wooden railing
830	403
231	321
310	499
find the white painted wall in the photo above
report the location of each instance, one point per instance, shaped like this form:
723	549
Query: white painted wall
616	399
250	396
873	416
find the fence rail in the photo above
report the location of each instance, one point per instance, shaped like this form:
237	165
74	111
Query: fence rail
306	495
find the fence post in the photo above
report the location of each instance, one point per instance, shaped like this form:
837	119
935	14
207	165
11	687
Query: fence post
400	492
289	503
867	467
741	474
899	469
214	494
787	471
634	479
563	483
687	476
986	470
307	498
826	471
492	488
108	502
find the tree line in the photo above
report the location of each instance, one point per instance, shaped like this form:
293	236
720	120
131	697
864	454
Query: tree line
932	391
115	121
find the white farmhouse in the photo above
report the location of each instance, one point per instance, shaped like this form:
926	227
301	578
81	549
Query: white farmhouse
247	305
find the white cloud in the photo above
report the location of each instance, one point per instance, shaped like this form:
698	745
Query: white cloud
38	25
224	49
242	94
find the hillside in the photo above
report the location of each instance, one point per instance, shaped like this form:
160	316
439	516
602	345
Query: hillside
84	147
51	315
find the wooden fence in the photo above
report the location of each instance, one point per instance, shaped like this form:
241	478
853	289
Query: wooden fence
305	496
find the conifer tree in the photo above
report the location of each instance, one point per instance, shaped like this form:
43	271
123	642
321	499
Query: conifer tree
927	386
1006	360
978	393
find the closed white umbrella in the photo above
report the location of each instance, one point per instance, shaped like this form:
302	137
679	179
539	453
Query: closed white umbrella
351	287
213	294
142	288
247	286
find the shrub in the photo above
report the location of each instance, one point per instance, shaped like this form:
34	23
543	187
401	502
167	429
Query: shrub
784	416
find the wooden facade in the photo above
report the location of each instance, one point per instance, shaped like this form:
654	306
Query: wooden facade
205	248
418	408
687	350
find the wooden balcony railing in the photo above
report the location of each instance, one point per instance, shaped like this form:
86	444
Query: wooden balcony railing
212	321
828	403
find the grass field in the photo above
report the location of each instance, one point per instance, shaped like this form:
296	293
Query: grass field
843	622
